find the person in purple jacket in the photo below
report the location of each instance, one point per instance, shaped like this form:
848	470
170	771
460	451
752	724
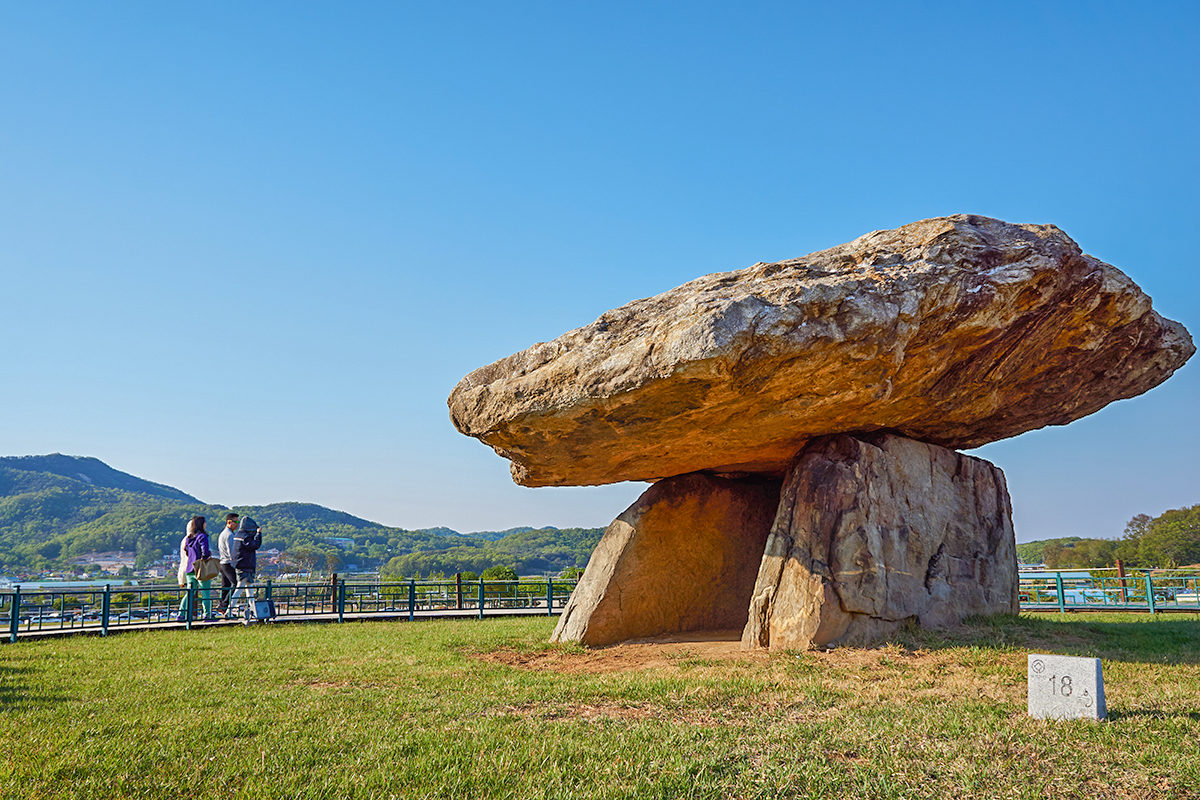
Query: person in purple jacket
192	548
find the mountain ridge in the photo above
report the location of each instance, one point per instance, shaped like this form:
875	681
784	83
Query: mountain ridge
57	507
92	472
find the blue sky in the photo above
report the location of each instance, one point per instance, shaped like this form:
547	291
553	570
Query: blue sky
247	249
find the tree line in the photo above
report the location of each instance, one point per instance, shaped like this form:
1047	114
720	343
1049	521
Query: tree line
1172	539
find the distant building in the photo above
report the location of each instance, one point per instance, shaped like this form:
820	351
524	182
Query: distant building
341	541
112	561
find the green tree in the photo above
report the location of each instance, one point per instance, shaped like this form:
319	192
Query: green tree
147	552
1052	554
499	573
393	569
305	557
1172	538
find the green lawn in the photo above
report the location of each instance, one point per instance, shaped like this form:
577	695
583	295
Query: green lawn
485	709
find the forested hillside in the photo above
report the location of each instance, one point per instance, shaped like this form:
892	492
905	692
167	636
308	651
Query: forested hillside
528	551
1171	539
56	508
1034	552
34	473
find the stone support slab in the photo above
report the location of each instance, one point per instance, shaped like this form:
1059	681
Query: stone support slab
682	558
878	530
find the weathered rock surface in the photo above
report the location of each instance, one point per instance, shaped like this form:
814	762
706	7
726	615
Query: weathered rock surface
875	531
956	331
683	557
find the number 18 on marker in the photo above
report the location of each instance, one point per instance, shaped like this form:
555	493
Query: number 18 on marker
1066	687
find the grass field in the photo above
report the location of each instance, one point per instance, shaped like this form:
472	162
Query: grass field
469	709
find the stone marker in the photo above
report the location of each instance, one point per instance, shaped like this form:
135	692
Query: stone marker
1066	687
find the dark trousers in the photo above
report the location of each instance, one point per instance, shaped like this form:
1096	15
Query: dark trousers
228	581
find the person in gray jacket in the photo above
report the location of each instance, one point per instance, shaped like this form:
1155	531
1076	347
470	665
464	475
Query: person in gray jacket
243	555
228	576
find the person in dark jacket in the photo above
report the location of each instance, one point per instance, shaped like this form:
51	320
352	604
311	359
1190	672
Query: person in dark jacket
243	556
193	548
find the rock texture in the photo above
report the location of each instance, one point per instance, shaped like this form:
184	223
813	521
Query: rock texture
872	532
683	557
956	331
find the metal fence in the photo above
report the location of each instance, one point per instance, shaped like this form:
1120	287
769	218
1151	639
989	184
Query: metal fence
1093	589
102	609
41	611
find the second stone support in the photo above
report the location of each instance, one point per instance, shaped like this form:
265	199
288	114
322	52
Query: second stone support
877	530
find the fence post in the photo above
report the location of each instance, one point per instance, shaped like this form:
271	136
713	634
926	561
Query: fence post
14	615
268	589
105	607
1150	592
412	598
458	587
341	600
481	598
1062	595
549	597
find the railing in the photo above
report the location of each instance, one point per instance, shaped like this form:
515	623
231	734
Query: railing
103	609
29	612
1138	590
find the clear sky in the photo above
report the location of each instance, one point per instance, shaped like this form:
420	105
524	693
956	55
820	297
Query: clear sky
247	248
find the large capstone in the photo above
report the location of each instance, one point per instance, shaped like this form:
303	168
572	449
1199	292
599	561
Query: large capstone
955	331
873	532
683	557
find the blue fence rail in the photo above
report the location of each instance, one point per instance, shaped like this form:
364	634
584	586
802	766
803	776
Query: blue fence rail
1092	589
103	609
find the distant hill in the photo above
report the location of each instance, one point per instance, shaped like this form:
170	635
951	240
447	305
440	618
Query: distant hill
1034	552
493	536
54	508
530	551
34	473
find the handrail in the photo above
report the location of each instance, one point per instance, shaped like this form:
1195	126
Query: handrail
109	608
114	608
1151	590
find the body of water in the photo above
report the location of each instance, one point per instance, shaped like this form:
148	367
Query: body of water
114	582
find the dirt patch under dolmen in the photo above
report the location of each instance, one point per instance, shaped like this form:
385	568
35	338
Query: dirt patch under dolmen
676	650
885	667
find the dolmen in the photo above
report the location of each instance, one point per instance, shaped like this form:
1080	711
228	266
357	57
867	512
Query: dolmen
800	422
